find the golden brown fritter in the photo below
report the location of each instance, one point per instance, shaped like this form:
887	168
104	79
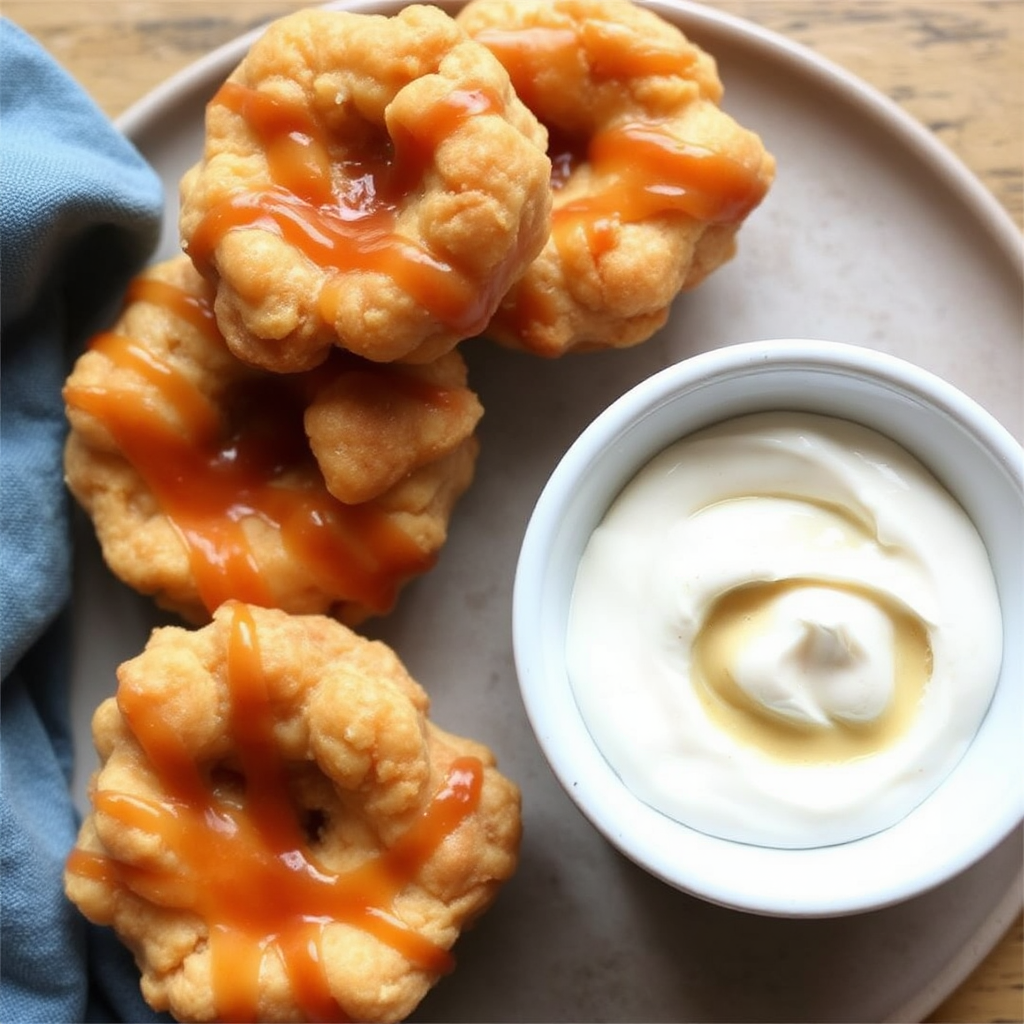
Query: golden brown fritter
367	182
279	832
203	485
371	426
651	178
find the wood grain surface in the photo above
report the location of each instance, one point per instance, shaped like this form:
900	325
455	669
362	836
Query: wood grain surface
957	66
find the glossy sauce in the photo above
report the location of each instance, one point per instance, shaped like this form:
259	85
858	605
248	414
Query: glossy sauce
644	170
348	225
214	469
296	151
653	173
601	49
242	860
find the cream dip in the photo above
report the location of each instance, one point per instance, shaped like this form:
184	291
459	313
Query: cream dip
784	632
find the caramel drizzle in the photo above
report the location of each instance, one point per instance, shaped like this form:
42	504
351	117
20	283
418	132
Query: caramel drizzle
212	470
295	149
351	228
602	50
650	172
241	862
654	174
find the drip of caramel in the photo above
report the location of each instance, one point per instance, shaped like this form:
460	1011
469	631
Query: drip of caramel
215	469
350	225
195	310
295	146
602	50
660	173
646	172
641	168
619	52
525	52
241	861
640	171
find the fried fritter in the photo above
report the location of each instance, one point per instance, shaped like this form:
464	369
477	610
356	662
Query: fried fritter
371	426
651	179
279	832
367	182
203	485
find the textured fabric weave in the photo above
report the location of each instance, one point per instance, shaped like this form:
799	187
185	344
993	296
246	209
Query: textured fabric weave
79	212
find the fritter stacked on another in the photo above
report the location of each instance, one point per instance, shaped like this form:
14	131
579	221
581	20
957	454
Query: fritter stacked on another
207	479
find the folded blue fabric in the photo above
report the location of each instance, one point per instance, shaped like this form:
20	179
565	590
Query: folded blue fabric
79	213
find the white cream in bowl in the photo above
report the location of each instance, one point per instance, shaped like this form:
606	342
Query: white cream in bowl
978	800
784	631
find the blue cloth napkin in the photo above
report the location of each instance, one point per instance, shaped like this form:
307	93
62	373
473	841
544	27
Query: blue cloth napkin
79	213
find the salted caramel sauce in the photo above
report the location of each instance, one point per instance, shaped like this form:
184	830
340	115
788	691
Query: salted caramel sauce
213	468
617	51
196	310
647	172
242	862
295	146
350	225
661	173
524	52
597	49
652	172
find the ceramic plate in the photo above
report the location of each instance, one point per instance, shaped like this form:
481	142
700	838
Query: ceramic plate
874	235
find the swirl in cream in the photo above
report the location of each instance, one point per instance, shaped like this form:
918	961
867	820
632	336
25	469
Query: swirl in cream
785	631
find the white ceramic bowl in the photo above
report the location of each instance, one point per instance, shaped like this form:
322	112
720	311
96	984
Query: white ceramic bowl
982	799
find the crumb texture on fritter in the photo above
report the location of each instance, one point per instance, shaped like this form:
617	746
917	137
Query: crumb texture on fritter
207	479
651	179
279	832
367	182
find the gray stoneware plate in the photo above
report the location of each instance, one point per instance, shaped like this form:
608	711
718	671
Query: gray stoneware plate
874	235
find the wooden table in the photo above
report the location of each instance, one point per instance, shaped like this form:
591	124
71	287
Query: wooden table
955	65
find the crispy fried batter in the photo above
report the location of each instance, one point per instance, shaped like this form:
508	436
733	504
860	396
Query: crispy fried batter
369	428
367	182
203	485
272	792
651	178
